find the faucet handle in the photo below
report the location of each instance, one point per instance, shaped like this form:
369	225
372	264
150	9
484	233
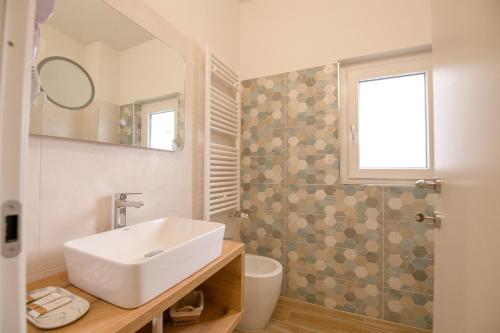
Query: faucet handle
123	196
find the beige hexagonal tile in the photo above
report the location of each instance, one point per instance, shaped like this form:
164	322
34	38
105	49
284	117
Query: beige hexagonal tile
350	201
394	306
293	198
330	180
293	255
395	237
395	260
330	241
372	224
361	272
276	142
277	206
320	194
330	303
320	144
395	203
350	254
394	283
330	210
254	147
372	290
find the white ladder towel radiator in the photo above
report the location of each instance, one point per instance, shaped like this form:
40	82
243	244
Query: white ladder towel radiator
222	138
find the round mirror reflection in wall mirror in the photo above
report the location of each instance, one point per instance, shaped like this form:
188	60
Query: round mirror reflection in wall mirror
66	83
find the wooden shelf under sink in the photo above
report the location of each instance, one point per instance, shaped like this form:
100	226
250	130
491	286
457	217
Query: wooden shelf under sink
222	282
215	318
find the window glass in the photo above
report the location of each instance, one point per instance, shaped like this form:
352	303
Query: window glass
392	124
162	130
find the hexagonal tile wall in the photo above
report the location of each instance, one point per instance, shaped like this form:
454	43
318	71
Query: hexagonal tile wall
312	169
408	308
347	264
268	247
261	142
262	169
355	248
361	235
410	274
262	224
409	239
360	298
311	96
312	140
262	90
403	202
267	197
262	116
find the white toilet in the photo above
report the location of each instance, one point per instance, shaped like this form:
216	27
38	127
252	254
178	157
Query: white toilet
263	277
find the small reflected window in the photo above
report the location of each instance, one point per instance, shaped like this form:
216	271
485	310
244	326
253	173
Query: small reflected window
162	130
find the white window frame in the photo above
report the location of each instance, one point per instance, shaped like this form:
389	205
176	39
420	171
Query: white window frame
350	76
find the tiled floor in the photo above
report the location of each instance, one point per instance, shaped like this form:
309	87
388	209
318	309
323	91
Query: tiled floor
291	316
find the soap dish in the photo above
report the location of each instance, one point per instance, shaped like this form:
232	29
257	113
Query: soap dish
64	315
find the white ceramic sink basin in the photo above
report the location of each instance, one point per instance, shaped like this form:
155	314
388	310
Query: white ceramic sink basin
130	266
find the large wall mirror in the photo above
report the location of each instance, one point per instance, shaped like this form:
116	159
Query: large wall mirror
104	78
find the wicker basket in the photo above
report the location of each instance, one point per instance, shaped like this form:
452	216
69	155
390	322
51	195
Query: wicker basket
188	310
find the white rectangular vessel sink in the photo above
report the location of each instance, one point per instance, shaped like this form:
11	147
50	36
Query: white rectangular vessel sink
130	266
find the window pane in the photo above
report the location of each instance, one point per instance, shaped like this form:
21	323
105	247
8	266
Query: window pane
161	130
393	122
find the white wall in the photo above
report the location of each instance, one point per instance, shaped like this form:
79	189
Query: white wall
150	70
102	62
71	185
283	35
55	43
213	22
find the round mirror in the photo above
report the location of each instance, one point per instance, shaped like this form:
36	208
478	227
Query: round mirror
66	83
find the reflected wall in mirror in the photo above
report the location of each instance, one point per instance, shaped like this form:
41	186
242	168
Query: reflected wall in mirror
106	79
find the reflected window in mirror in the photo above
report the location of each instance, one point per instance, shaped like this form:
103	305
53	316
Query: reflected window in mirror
161	130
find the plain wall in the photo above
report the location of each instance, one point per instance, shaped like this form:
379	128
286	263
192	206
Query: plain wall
213	22
279	36
159	72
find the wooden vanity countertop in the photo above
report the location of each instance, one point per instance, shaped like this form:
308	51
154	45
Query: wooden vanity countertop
104	317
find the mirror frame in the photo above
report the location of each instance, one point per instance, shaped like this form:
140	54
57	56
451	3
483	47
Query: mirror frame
92	86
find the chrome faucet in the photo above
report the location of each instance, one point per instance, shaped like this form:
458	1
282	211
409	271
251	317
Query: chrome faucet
121	205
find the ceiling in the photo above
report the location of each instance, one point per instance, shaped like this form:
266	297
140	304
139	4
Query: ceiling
92	20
